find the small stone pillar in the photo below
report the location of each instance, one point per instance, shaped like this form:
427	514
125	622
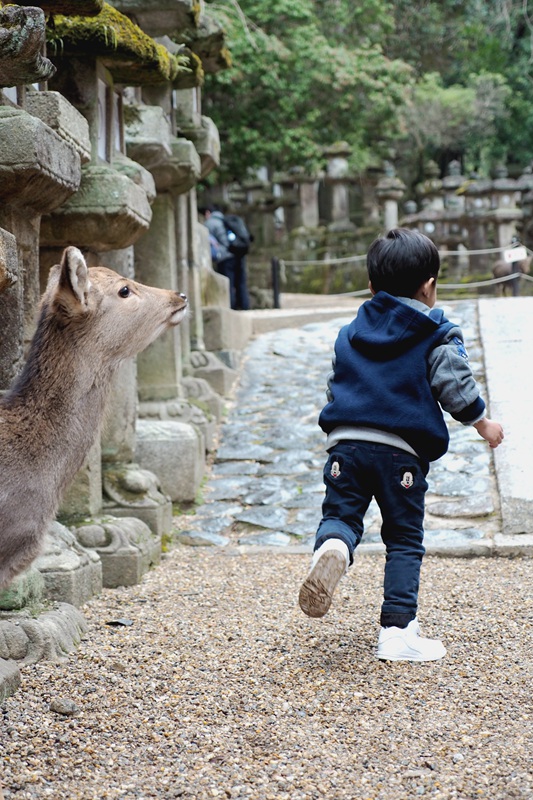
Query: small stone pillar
452	181
390	191
505	213
160	365
429	192
289	201
430	189
307	188
11	310
257	192
454	231
165	257
337	181
477	216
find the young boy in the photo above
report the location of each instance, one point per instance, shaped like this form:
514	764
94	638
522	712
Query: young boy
394	364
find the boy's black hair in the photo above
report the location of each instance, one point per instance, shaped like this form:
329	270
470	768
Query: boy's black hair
400	262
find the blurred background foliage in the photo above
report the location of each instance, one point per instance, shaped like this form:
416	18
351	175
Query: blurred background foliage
408	81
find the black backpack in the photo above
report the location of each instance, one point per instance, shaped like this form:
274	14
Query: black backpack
238	234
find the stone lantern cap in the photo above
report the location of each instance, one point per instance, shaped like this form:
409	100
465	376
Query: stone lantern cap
185	22
208	42
131	56
22	33
390	187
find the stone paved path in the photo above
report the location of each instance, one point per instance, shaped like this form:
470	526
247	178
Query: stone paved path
266	486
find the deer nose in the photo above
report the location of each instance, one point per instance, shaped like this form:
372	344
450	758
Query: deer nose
183	296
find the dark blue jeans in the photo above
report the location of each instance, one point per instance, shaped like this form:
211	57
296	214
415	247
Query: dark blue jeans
242	299
228	268
354	473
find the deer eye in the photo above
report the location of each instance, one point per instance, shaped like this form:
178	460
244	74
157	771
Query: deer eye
124	291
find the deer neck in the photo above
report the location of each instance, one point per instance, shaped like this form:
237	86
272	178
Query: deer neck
60	395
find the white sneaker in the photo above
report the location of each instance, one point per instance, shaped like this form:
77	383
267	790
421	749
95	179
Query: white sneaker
329	564
406	644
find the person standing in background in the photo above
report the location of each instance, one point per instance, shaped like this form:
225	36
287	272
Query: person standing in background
230	241
226	263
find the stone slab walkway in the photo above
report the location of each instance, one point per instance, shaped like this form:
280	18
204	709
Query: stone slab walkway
506	330
266	486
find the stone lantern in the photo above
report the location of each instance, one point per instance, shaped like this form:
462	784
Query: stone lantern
454	232
299	198
505	213
477	196
429	220
452	181
390	190
430	189
44	142
289	200
337	180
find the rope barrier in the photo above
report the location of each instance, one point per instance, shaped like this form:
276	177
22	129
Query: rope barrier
354	259
444	286
442	253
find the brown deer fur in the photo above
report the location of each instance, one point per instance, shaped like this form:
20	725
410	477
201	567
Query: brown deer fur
503	268
90	320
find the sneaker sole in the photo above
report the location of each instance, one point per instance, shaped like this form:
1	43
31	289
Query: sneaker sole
409	658
316	592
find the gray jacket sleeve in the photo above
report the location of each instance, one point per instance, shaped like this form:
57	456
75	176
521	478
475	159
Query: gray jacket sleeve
216	227
452	381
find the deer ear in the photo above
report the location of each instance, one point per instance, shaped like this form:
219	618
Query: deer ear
74	281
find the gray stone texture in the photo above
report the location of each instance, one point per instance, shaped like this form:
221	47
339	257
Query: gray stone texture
109	212
22	39
130	491
50	635
211	369
11	310
10	679
56	112
225	329
72	574
175	451
38	169
126	548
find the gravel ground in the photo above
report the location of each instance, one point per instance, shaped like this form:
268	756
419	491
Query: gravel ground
220	687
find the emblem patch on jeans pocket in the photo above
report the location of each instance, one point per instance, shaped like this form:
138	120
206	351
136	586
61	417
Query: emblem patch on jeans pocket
407	480
335	469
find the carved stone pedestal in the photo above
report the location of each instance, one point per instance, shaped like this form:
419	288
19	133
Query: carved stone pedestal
126	548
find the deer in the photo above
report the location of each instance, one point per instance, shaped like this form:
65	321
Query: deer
90	319
503	268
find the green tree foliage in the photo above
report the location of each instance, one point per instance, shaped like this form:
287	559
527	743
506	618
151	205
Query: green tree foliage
482	45
417	79
457	121
296	87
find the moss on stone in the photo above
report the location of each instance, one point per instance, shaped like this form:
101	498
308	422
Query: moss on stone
132	57
194	76
208	41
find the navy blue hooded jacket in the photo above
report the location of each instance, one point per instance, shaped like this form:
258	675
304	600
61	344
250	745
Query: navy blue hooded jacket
380	378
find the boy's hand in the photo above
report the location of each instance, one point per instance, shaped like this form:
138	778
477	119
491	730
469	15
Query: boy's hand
489	430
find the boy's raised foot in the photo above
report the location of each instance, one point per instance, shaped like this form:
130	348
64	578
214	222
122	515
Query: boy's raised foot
329	564
406	644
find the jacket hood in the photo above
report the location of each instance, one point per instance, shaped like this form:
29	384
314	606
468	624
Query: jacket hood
386	323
